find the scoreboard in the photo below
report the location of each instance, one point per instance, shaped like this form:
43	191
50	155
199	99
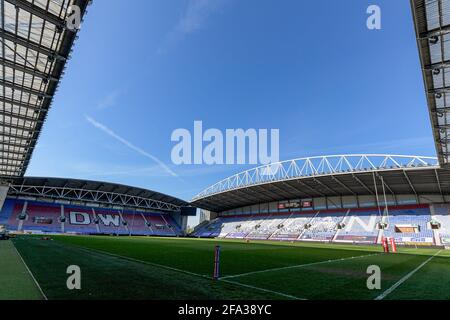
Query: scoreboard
189	211
303	204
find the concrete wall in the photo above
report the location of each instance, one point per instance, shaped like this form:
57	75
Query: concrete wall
3	193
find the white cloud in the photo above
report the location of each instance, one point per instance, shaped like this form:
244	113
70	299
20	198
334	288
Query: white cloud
193	19
87	169
196	14
131	146
109	101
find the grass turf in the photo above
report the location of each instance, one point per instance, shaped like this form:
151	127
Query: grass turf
16	282
143	268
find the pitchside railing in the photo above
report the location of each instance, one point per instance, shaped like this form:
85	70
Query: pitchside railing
317	166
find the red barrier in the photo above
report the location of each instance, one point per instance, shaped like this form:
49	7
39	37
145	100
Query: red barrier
385	245
393	245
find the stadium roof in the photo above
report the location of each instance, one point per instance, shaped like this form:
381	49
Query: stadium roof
35	46
104	193
328	176
432	24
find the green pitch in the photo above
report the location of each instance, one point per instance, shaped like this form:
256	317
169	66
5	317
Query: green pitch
16	283
158	268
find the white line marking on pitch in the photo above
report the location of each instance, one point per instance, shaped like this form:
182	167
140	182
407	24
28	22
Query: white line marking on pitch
90	250
29	271
262	289
402	280
297	266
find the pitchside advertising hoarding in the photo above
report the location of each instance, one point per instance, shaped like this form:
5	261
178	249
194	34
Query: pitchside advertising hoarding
445	240
426	241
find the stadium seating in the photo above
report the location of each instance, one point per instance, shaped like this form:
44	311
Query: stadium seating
230	227
39	217
293	227
268	226
209	230
80	220
6	212
442	216
323	227
418	218
139	225
161	226
407	224
347	226
30	216
359	226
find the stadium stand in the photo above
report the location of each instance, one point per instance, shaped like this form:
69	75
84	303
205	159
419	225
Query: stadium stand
45	218
139	224
80	220
323	227
293	227
268	226
39	217
231	227
408	224
359	226
6	212
442	217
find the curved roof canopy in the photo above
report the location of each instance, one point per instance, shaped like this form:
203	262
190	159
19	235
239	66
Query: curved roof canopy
432	25
105	193
327	176
35	44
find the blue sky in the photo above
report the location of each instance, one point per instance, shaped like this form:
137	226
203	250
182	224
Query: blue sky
142	69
